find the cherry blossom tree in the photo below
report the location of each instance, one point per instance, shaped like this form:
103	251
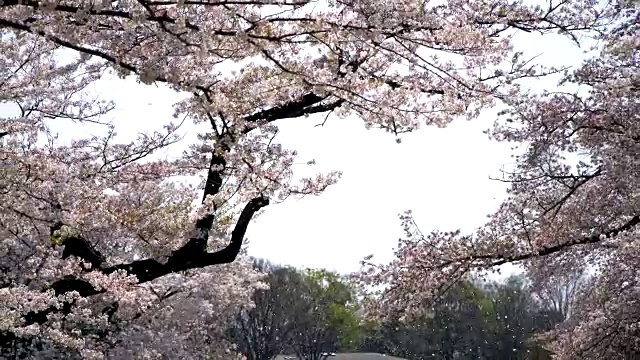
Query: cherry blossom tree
95	234
573	204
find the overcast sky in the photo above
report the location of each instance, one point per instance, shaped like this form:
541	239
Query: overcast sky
441	174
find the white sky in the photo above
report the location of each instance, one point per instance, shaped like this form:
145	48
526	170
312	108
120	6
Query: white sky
441	174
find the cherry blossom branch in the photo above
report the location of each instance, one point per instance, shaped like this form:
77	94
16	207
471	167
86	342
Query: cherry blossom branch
299	107
185	258
501	259
190	257
160	16
572	181
193	253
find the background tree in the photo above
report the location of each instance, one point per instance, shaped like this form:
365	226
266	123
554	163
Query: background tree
305	312
324	318
261	331
518	319
498	320
458	327
559	291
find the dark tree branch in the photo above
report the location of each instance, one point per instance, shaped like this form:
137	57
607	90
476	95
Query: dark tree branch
77	246
296	108
36	5
81	248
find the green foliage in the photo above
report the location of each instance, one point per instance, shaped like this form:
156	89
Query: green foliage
345	322
332	310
